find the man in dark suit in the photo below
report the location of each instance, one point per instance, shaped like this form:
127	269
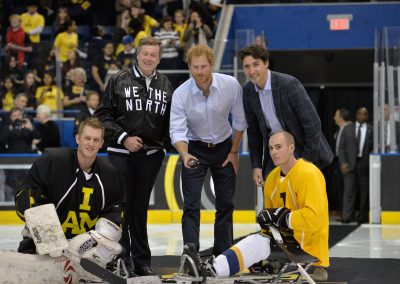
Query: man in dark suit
272	102
363	135
346	152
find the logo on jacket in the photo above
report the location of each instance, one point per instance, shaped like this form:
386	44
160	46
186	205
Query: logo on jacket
155	103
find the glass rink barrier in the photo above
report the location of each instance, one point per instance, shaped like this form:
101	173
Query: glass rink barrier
385	159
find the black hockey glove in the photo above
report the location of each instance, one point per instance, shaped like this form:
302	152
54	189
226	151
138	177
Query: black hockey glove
273	216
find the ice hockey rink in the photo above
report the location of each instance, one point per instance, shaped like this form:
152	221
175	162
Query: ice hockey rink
359	254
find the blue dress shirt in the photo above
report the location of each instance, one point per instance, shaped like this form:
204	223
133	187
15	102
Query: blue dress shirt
197	117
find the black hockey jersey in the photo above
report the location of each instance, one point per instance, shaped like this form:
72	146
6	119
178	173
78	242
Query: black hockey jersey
129	108
80	198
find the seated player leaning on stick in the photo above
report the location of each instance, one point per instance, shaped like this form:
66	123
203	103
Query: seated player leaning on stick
295	198
88	194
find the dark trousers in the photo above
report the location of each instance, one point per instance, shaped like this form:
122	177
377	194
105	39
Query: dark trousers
349	196
224	184
362	184
140	172
335	193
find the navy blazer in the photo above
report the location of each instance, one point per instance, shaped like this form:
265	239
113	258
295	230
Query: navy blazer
297	115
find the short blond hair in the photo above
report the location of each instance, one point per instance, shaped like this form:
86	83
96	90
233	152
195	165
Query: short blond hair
199	50
92	122
288	136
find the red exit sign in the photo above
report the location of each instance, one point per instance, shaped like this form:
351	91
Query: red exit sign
339	22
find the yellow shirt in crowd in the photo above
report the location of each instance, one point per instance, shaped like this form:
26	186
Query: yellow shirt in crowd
8	101
65	43
49	96
31	22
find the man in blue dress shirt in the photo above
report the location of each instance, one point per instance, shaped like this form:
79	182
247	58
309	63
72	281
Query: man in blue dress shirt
200	129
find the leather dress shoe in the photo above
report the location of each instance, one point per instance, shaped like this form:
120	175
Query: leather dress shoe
144	270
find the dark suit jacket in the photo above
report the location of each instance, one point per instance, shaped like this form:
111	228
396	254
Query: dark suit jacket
348	147
368	146
297	115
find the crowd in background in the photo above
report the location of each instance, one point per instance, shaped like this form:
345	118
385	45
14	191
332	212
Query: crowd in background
88	41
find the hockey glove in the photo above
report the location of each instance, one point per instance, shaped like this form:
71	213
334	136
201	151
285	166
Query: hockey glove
99	245
274	216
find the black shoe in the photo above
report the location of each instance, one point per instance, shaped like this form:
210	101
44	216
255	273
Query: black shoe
144	271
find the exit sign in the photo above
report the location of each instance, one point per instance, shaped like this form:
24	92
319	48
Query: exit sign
339	22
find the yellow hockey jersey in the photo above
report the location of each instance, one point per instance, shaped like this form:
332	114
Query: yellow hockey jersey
302	190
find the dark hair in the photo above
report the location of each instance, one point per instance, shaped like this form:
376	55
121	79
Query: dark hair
344	114
68	22
255	50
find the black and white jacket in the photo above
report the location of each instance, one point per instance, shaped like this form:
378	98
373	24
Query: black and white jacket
130	108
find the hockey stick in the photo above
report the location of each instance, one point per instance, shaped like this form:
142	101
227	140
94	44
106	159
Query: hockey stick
101	272
112	278
279	241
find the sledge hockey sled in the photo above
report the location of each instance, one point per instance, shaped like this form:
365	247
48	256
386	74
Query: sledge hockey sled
294	265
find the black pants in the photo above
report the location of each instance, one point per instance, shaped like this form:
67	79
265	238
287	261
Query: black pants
224	182
140	172
362	184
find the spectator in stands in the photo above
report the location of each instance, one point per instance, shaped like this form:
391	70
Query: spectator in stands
7	94
120	7
147	21
75	94
200	7
66	41
19	136
12	70
49	94
261	40
73	62
213	7
180	24
100	67
96	43
61	16
136	30
18	42
92	102
196	33
46	64
32	22
170	44
48	129
127	58
21	101
29	87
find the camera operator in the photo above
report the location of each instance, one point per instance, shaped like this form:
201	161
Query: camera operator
19	136
196	33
